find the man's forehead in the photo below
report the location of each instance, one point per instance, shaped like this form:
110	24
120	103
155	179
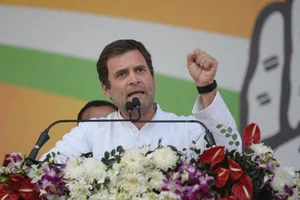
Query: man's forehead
126	59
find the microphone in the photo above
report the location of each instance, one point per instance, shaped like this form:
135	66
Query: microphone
136	102
137	105
44	137
129	108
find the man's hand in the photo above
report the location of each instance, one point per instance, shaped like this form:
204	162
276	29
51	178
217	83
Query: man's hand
202	67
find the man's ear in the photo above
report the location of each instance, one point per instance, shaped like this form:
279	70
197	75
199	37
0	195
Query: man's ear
105	90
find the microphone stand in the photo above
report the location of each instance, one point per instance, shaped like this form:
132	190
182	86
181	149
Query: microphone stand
44	137
209	138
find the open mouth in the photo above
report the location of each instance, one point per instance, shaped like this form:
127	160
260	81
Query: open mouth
136	93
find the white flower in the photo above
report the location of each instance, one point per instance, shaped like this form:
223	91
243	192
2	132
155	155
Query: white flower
165	158
134	183
36	173
290	170
156	179
295	195
5	170
283	177
166	195
113	174
73	169
150	196
123	196
79	189
102	195
260	149
185	176
298	182
134	161
94	170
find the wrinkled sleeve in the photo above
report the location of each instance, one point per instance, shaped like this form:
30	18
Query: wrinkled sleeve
74	143
218	113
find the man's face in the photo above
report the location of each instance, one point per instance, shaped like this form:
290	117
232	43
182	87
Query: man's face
97	112
130	77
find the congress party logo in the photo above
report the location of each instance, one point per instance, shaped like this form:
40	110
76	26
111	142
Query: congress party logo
270	93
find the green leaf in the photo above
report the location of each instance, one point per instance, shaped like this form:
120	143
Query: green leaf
231	143
219	126
120	149
227	135
197	151
234	137
237	143
106	155
223	130
113	152
173	148
229	129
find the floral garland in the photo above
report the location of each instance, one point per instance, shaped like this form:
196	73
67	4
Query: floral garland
160	173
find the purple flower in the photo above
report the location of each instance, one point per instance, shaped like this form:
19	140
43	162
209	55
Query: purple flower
188	182
172	186
196	192
52	181
272	164
288	190
12	159
185	166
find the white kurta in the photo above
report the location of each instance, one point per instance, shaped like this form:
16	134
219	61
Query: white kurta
98	137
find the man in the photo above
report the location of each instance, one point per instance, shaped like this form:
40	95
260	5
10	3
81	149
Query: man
96	109
125	71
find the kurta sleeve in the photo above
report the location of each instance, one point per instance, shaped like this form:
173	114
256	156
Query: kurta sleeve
218	113
74	143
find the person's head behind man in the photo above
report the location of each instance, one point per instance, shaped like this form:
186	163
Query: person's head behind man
125	71
96	109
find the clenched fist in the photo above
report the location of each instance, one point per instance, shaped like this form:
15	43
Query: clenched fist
202	67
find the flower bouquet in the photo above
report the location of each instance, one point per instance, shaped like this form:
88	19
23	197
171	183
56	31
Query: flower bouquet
41	181
160	173
252	174
14	180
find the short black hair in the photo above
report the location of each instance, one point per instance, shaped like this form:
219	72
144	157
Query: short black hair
95	103
116	48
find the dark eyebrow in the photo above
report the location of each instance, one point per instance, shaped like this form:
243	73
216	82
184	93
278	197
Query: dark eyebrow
140	67
120	71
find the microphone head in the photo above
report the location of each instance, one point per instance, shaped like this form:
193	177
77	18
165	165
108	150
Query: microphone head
129	106
136	102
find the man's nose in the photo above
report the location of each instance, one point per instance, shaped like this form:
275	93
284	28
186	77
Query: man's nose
133	79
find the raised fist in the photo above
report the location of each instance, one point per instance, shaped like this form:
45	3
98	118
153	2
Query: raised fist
202	67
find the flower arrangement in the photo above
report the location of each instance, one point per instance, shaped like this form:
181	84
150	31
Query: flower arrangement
14	180
160	173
